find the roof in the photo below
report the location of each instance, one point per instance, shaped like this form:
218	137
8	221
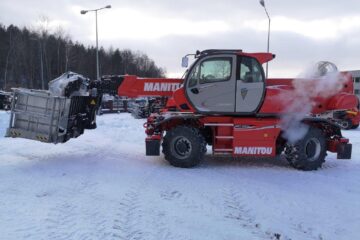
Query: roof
217	51
261	57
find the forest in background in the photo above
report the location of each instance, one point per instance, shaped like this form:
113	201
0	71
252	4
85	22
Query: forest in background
28	56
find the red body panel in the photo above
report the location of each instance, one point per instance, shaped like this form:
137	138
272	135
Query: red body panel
348	86
342	101
261	57
355	119
244	136
181	101
257	140
279	95
273	103
354	116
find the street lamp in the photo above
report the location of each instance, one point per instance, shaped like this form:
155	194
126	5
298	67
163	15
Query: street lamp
41	61
262	2
97	43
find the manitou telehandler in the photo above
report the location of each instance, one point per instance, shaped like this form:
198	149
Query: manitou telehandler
223	101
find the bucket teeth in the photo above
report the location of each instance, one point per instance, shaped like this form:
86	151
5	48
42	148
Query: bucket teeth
15	134
41	138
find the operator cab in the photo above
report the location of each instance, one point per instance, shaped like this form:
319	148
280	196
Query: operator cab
226	82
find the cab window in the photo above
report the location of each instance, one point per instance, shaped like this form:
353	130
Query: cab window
215	70
211	70
250	70
194	76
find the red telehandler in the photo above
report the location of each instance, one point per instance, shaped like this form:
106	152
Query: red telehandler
223	101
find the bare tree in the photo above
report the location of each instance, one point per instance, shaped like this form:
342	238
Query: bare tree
11	46
30	57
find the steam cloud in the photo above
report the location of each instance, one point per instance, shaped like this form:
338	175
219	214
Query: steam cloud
320	80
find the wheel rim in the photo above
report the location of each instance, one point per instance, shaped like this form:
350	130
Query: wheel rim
182	147
312	149
345	124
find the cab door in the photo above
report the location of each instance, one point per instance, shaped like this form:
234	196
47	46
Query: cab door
250	85
211	84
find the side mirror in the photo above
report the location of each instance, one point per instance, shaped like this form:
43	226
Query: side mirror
185	62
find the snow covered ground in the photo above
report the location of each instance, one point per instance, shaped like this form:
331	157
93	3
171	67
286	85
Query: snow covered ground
102	186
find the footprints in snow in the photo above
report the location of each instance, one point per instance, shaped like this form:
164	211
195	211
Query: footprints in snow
309	232
170	195
177	200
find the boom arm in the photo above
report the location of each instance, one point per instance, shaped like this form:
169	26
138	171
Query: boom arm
132	86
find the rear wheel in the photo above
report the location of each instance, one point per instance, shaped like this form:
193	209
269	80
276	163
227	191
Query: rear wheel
184	146
308	153
346	124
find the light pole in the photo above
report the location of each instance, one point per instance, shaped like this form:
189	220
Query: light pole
262	2
97	42
41	61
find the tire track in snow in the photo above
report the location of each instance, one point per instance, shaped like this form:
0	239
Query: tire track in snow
69	217
133	216
186	202
127	222
61	222
66	221
133	213
140	208
236	210
300	228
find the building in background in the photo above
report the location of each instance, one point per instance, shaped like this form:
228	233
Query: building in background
356	78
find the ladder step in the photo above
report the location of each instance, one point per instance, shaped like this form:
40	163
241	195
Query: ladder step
223	150
219	124
224	137
222	153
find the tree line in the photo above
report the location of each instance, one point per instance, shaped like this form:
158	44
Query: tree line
32	58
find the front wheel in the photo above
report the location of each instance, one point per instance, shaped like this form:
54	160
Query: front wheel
308	153
184	146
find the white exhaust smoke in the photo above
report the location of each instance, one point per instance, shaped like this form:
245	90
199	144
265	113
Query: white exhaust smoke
320	80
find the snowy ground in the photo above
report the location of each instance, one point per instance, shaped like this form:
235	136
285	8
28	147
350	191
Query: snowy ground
101	186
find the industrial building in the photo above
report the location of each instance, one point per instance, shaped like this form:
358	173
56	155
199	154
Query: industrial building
356	78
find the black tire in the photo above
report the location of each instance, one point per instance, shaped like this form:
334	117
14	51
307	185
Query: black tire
184	146
346	124
99	111
355	126
308	153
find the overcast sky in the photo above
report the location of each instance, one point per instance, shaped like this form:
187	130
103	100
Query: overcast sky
302	32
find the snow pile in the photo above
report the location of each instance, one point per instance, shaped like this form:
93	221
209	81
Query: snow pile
320	80
58	85
102	186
